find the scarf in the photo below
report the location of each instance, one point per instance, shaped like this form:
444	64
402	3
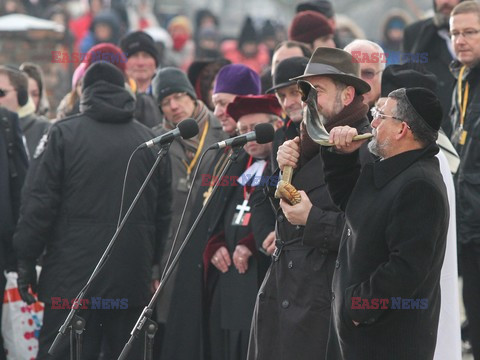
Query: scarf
352	115
201	116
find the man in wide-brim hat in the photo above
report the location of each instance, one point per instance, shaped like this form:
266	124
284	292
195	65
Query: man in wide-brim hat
336	77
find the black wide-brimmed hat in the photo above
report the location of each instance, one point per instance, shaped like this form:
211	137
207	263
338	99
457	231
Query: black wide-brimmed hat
286	70
336	64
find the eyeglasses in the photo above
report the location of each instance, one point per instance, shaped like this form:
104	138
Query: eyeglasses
4	92
376	113
369	74
467	34
177	97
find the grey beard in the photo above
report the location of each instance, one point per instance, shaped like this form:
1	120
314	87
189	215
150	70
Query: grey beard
376	148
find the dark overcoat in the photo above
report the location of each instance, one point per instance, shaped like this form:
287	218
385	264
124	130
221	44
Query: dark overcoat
72	209
423	37
297	288
393	244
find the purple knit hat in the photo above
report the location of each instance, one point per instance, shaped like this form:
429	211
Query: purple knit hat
237	79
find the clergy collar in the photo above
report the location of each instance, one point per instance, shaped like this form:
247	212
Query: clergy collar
384	171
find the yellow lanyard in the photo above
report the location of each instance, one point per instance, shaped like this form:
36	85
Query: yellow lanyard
199	150
462	104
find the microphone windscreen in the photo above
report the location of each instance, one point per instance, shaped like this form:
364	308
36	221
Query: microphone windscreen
188	128
264	133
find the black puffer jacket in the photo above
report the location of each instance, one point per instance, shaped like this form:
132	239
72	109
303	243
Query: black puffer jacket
73	206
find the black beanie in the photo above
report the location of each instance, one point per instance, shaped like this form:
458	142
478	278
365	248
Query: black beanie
139	41
407	75
102	70
322	6
426	105
171	80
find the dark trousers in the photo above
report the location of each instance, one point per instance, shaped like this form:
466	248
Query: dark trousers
470	262
106	331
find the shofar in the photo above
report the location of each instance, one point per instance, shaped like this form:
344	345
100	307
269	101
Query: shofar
316	130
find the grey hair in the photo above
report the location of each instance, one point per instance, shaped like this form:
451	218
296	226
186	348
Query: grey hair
422	133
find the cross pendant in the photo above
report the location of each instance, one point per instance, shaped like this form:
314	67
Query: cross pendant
243	208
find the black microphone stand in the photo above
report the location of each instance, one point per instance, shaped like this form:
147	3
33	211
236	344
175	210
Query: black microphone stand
73	322
145	316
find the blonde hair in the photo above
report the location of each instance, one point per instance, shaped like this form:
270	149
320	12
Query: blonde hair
467	7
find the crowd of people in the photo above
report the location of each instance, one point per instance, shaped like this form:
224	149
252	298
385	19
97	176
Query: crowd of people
360	259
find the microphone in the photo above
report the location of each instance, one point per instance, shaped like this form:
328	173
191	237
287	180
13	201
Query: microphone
263	134
187	129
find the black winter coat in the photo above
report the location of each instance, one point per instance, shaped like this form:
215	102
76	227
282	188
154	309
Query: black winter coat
422	37
292	312
467	178
73	206
13	169
396	214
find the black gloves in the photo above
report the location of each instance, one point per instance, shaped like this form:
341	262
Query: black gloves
27	277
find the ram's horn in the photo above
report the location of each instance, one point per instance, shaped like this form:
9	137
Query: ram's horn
313	119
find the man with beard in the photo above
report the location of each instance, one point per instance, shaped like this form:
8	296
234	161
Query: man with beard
292	312
431	36
465	31
177	100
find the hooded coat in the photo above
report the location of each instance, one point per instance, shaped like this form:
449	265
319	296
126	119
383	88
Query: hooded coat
72	209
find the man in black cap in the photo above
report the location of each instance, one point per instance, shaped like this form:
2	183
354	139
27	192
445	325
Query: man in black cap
448	346
178	101
431	36
289	97
142	59
72	211
386	284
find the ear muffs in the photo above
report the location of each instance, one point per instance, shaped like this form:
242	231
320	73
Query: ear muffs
22	92
22	96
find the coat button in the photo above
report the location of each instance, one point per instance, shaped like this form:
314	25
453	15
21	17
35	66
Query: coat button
261	296
349	232
333	296
285	304
290	264
337	264
280	218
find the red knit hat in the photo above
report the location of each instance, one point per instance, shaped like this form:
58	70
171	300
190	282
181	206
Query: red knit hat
309	25
253	104
109	53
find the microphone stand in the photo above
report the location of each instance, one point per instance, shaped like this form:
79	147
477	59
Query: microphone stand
148	310
73	322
